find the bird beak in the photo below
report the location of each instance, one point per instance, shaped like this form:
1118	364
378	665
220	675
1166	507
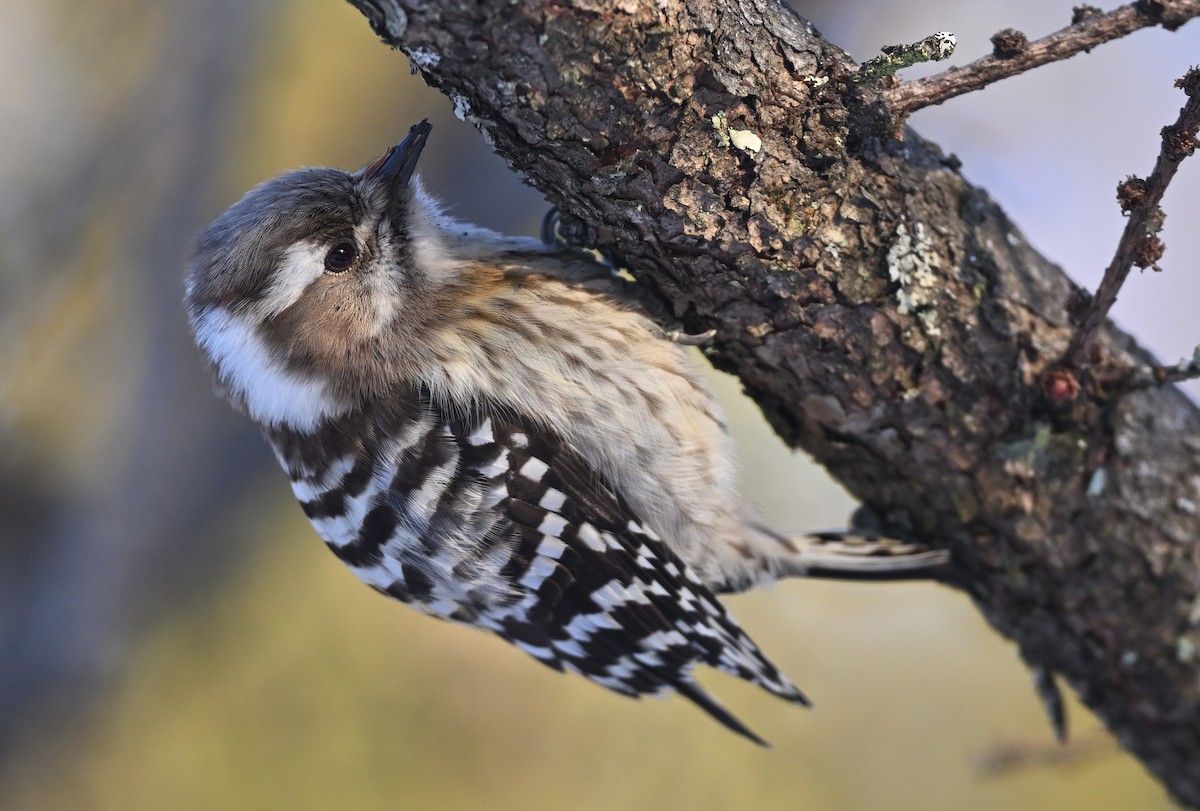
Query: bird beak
395	167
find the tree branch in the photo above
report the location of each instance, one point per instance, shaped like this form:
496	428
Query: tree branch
885	314
1090	27
1139	244
1149	376
933	48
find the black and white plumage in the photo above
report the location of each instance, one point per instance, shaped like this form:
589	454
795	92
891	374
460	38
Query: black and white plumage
496	524
493	431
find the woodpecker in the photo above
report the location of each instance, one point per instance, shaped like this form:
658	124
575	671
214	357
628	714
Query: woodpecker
494	431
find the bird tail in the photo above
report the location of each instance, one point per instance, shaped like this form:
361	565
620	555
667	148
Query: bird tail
843	554
710	705
848	554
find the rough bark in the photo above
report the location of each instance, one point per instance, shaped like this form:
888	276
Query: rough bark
885	314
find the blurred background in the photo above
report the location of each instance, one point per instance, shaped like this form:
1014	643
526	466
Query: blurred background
174	635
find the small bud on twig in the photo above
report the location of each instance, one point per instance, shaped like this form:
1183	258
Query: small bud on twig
1131	193
1010	56
1008	43
1060	385
1189	82
1140	244
1149	251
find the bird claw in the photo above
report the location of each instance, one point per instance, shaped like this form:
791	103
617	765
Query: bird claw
687	339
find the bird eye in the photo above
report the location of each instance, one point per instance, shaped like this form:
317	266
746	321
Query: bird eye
341	256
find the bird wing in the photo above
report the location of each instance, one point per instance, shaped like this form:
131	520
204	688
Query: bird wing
491	520
598	592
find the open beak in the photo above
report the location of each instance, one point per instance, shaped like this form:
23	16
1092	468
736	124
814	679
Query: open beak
396	166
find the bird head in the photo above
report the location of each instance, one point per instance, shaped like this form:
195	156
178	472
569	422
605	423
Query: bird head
299	292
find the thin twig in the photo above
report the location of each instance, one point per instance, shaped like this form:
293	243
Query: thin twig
1089	29
1139	243
1151	376
934	48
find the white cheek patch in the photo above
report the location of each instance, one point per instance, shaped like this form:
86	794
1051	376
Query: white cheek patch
426	227
302	265
272	394
383	293
381	288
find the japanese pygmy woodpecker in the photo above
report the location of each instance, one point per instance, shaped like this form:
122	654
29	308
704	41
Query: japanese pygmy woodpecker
492	430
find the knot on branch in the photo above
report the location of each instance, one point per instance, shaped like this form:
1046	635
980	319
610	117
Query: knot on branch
1179	141
1189	82
1009	43
1163	12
